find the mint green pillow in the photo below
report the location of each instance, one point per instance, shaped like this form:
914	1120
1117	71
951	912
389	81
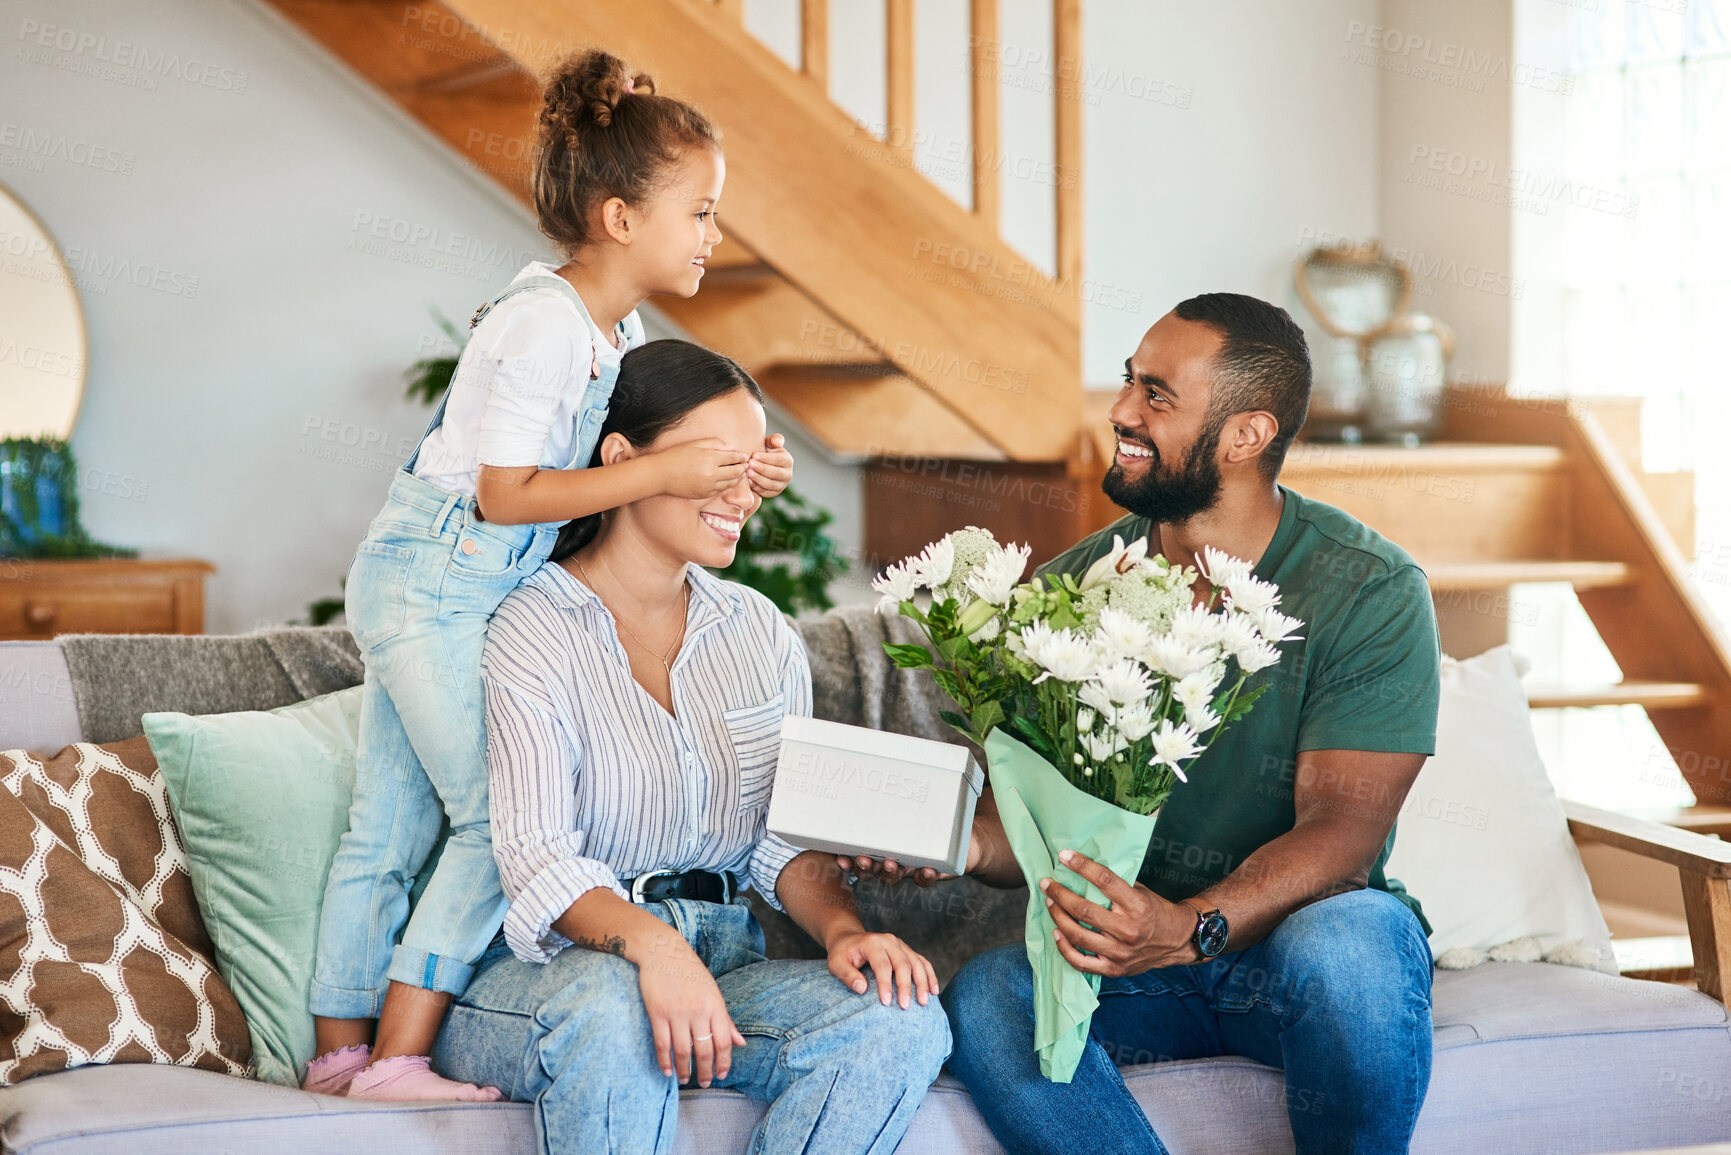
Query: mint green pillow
262	798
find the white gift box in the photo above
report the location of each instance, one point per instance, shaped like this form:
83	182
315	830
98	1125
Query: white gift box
852	790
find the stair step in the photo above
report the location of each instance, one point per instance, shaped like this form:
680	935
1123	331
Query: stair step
1376	462
1634	692
866	411
1487	575
1666	958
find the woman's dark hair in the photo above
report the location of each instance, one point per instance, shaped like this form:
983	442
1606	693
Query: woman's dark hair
605	133
659	385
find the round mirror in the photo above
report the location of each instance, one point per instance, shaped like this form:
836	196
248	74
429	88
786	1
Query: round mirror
42	343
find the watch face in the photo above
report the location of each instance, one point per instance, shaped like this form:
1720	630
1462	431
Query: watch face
1211	935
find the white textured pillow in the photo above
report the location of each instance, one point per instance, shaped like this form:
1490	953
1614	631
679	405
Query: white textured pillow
1482	841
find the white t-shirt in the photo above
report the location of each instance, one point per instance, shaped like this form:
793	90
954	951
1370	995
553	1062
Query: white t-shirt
518	390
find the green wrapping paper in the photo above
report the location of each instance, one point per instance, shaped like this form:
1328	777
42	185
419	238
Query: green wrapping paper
1042	815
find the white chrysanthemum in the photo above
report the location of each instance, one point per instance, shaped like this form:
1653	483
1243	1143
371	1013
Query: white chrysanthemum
1176	660
1124	682
1118	635
1092	694
1121	559
1260	657
1175	743
1062	654
1195	692
897	584
1275	626
990	631
932	568
1221	568
1195	626
1201	720
1100	746
1252	595
1084	720
996	577
1134	722
1240	637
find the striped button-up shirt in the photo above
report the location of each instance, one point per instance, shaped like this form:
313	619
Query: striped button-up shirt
592	781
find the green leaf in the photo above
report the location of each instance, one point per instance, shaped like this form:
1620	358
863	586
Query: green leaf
987	715
953	649
947	682
908	655
954	720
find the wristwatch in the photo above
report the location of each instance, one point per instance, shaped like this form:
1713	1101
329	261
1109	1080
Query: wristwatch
1211	928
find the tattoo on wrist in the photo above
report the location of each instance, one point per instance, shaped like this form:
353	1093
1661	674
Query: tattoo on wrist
613	944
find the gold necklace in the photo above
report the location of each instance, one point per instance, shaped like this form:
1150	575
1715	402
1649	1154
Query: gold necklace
666	659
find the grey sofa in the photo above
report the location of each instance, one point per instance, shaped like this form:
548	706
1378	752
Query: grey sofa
1529	1058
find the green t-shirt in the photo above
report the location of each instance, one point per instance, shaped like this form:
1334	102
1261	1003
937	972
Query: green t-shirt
1365	676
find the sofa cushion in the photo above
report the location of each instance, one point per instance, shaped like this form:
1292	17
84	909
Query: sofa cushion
37	711
262	798
1613	1086
103	956
1500	1001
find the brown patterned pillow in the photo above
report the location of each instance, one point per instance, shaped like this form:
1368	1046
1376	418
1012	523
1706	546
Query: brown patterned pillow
103	955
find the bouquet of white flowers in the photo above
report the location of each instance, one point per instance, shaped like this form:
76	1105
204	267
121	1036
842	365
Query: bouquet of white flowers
1116	682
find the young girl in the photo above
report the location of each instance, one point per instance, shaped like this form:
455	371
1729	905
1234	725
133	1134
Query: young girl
625	182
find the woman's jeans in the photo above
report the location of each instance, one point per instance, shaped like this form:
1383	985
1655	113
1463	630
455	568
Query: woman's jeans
1338	996
421	590
841	1072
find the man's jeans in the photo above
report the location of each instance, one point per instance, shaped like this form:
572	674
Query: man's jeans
841	1072
1338	997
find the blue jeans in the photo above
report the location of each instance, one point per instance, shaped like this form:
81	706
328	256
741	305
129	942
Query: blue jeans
841	1072
421	590
1338	996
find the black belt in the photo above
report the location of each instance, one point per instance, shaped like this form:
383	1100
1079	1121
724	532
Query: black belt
661	885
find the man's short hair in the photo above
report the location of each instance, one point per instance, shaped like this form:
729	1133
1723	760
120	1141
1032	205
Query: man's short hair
1263	363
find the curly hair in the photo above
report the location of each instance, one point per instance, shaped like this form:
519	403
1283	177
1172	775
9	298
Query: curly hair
605	132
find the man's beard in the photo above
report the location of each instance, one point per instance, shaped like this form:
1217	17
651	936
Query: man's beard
1171	498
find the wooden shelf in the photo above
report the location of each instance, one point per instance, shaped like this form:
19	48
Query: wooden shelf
1490	575
1652	695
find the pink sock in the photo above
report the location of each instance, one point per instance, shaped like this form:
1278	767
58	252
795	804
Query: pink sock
331	1073
411	1077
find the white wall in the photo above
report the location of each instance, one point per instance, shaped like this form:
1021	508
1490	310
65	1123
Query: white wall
250	410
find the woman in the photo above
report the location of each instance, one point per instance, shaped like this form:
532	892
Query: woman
634	707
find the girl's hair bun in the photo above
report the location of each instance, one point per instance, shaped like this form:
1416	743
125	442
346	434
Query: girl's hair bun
591	84
605	132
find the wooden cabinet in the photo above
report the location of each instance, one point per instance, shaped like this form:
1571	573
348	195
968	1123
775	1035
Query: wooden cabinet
40	598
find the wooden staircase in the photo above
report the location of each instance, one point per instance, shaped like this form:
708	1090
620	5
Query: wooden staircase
877	312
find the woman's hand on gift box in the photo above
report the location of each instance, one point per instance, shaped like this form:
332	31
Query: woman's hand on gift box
899	969
1140	931
888	870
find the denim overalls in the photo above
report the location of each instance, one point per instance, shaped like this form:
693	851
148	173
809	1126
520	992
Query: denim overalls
420	592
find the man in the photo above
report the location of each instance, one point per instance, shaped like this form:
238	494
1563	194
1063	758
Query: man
1261	923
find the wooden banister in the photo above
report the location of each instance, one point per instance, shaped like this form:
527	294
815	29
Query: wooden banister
1067	138
814	41
899	75
732	9
983	71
